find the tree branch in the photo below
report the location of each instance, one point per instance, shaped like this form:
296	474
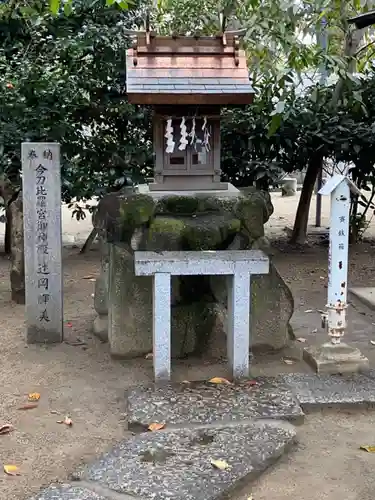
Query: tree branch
364	48
371	54
352	40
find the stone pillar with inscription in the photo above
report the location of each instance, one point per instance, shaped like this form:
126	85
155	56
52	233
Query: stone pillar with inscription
41	189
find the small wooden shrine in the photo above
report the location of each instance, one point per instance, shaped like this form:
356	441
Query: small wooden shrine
187	79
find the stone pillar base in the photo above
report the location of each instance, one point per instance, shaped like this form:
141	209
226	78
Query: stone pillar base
100	327
341	358
289	186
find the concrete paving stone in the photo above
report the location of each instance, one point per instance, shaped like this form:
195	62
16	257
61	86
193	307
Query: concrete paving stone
365	294
67	492
205	403
312	390
176	464
371	375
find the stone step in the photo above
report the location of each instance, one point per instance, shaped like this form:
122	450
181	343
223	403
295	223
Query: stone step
177	464
243	424
69	492
365	294
203	403
340	391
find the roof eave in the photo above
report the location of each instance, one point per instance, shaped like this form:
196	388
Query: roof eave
219	99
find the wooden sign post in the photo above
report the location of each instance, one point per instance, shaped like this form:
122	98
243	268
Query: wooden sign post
336	356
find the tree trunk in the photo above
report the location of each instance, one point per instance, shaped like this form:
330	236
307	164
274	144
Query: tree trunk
90	240
8	232
17	273
302	216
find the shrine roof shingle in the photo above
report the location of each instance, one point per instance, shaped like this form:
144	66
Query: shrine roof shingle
172	72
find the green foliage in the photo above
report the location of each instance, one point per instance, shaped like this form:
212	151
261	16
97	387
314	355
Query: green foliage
279	38
62	74
344	133
68	5
358	225
62	79
249	153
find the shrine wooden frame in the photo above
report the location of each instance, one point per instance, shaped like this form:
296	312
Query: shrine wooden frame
160	168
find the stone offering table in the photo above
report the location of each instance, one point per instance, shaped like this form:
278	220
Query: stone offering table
157	222
237	265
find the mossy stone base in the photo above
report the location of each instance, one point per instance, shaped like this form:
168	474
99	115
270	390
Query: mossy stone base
131	221
165	232
130	312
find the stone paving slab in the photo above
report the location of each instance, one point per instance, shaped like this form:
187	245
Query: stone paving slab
243	424
176	464
365	294
344	391
206	403
67	492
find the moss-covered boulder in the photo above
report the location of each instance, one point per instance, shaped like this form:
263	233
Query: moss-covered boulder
178	205
130	221
165	232
135	212
120	214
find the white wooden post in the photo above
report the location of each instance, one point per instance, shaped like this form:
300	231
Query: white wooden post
338	188
335	356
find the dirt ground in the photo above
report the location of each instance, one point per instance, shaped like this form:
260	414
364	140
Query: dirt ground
327	463
82	381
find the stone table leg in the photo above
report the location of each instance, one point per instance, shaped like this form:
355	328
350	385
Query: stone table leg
162	326
238	341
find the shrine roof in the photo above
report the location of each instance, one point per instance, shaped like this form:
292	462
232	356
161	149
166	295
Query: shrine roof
187	70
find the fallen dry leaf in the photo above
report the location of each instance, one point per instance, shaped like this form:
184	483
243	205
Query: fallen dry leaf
150	355
67	421
369	449
219	380
28	406
6	428
34	396
155	427
75	343
220	464
11	470
301	339
288	361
